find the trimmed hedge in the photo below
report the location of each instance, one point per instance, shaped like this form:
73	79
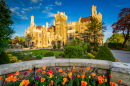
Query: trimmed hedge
39	57
114	45
47	54
4	59
58	46
54	47
104	53
73	52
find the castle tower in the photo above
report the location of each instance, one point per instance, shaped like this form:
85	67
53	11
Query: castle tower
94	12
32	20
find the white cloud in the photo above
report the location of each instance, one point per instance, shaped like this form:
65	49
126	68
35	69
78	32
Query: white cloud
16	34
13	9
36	7
17	13
50	14
44	11
23	12
34	1
52	5
48	8
40	4
24	17
27	9
58	3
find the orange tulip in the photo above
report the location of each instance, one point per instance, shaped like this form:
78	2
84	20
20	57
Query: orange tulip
17	73
65	79
83	83
103	76
100	78
73	67
78	76
52	82
110	75
14	79
100	81
0	77
30	70
8	79
88	68
82	76
84	73
39	70
42	79
73	71
44	67
26	83
63	83
93	74
63	73
43	72
70	75
81	69
60	70
120	81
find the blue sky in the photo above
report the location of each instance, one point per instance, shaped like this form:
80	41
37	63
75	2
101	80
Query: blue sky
44	10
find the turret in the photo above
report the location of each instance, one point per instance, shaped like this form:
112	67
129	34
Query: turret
32	20
54	23
94	12
46	24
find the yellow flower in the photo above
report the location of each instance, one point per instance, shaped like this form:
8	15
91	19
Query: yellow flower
89	77
93	74
105	80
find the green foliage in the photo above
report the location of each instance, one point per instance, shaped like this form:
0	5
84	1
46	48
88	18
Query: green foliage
118	47
89	48
58	46
47	54
54	47
114	45
95	48
84	48
104	53
51	50
12	58
28	57
4	59
38	57
116	38
73	52
5	26
91	56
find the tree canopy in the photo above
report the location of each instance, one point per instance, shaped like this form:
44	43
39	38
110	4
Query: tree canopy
5	26
123	24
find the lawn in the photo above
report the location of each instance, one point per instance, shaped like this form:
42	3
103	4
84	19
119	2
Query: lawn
42	51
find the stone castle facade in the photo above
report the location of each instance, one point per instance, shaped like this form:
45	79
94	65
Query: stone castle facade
61	32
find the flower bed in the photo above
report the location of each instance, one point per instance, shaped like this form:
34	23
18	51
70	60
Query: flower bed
46	78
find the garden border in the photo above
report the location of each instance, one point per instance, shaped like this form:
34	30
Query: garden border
117	69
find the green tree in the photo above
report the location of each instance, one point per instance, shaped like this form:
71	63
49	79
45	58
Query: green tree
94	27
5	22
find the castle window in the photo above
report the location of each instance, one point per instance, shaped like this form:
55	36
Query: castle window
39	35
58	29
40	42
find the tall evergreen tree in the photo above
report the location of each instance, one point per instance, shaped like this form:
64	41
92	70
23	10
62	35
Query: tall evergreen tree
5	26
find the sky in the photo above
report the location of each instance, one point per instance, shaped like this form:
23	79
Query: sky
44	10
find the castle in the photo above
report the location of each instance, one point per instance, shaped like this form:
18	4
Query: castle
61	32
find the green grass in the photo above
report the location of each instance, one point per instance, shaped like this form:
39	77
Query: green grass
38	52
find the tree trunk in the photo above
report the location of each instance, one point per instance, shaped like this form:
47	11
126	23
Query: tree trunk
126	38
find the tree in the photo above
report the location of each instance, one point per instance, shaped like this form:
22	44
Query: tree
94	27
123	24
116	38
5	22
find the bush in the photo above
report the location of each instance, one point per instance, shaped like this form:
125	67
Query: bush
89	48
73	52
12	58
39	57
84	48
118	47
58	46
95	48
114	45
18	61
28	57
4	59
104	53
47	54
54	47
51	50
91	55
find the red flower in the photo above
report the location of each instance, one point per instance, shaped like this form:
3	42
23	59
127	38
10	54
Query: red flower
73	71
50	72
110	75
81	69
38	70
120	81
10	74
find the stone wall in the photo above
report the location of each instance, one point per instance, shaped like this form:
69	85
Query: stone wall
100	67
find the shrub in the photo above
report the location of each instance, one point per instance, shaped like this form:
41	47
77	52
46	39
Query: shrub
118	47
91	55
89	48
39	57
95	48
58	46
54	47
73	52
84	48
12	58
51	50
114	45
4	59
47	54
28	57
104	53
18	61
